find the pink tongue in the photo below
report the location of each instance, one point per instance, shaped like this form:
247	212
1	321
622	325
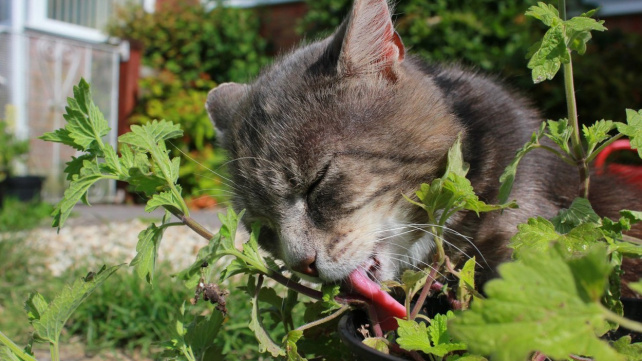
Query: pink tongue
386	307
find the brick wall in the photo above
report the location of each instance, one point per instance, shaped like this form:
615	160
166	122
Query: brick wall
278	25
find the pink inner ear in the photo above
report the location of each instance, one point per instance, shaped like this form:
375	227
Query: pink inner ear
371	44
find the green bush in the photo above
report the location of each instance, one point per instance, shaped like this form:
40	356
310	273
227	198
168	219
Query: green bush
221	44
190	49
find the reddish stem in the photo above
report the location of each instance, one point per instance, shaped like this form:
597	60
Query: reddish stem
424	292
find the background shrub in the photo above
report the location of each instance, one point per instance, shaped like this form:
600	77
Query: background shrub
189	49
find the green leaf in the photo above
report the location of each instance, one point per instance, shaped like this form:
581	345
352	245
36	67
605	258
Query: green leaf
580	212
633	129
597	133
508	176
547	13
378	343
167	198
151	138
433	339
35	306
147	251
560	133
266	344
62	136
290	341
80	183
76	164
547	303
537	235
632	352
330	291
51	321
552	53
85	123
201	334
466	284
578	31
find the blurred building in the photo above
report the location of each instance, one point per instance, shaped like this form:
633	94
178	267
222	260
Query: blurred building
46	46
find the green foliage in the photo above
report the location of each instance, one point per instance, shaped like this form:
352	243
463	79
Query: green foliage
143	163
11	148
16	215
548	303
433	339
195	42
191	49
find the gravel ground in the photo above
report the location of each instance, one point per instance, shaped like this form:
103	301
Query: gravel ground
108	234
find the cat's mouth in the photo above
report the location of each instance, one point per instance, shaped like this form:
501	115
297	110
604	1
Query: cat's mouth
363	281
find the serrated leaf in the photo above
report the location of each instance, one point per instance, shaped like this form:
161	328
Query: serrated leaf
578	31
547	13
35	306
580	212
378	343
466	283
80	183
75	165
508	176
632	352
162	199
144	262
433	339
597	133
51	322
633	129
61	136
552	53
85	123
544	303
266	344
290	341
560	133
537	235
330	291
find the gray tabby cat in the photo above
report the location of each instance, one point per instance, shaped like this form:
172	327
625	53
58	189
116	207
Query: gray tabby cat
326	140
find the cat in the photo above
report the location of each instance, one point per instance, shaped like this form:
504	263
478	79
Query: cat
327	139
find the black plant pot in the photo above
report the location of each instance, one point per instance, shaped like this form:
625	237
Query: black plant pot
350	323
25	188
348	326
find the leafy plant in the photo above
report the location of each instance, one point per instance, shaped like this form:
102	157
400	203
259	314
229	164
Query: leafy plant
11	149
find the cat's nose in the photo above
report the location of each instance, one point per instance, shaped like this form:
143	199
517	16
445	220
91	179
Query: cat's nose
307	266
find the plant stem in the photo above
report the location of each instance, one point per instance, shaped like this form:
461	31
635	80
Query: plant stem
55	353
622	321
594	154
330	317
571	105
15	348
424	292
203	232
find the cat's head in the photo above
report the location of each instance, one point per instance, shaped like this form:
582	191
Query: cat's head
324	143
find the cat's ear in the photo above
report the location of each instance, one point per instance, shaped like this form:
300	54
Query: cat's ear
370	44
222	102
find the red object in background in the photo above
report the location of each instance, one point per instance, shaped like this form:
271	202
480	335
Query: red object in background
631	173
